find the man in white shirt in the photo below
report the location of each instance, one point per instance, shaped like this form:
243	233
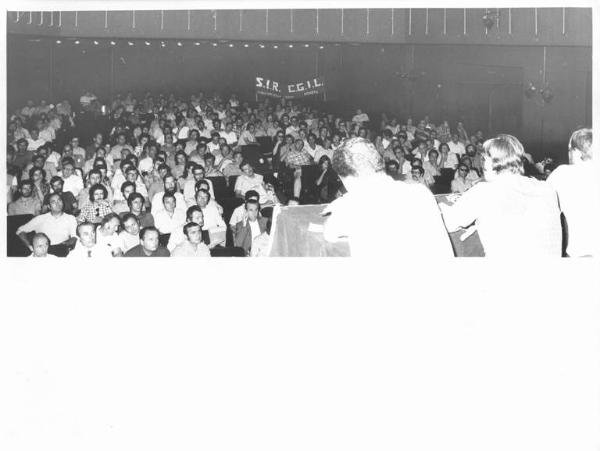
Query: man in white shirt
360	118
229	135
86	246
456	146
169	186
312	147
239	214
57	225
249	180
212	217
35	142
514	215
361	168
168	218
72	182
577	188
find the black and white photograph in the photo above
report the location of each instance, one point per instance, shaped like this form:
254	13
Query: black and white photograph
403	136
301	133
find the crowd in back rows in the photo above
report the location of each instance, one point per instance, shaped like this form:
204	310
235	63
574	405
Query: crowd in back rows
155	168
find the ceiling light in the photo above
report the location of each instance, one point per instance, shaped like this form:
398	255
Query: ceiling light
179	44
113	43
246	45
163	44
230	45
196	43
275	46
215	44
306	45
95	42
147	43
59	41
76	42
262	46
321	47
291	46
130	43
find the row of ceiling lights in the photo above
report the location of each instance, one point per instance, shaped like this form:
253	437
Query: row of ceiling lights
180	44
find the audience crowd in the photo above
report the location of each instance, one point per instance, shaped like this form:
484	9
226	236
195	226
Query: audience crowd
164	176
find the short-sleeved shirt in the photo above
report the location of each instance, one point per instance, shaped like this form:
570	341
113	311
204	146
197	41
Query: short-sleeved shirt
57	228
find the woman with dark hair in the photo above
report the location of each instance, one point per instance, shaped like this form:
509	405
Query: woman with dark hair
41	188
97	207
328	183
192	142
181	162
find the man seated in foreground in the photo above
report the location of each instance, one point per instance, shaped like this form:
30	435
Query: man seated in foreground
149	245
41	244
192	246
249	228
86	244
514	215
361	168
57	225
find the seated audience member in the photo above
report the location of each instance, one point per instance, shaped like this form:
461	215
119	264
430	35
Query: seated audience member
35	141
132	175
192	245
193	214
57	225
328	183
169	218
72	182
249	180
455	146
361	169
209	166
261	245
239	214
71	204
40	244
136	207
122	206
129	237
448	159
189	188
94	177
155	180
472	175
149	245
25	203
107	234
514	215
213	221
461	183
169	187
393	170
249	228
40	186
577	189
79	155
294	160
431	167
232	168
96	207
86	244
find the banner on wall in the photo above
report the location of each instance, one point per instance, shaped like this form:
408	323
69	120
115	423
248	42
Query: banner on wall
271	88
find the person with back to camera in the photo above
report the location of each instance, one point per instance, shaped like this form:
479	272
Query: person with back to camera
361	169
577	189
514	215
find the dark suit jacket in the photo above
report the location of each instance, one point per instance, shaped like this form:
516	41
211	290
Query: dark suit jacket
242	235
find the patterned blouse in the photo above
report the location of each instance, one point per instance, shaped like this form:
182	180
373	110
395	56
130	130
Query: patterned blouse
94	211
